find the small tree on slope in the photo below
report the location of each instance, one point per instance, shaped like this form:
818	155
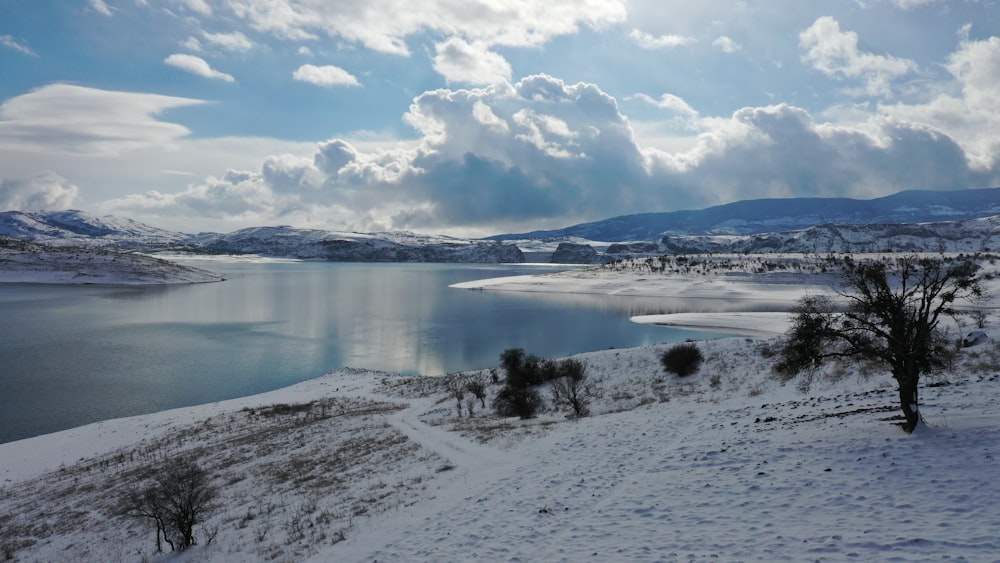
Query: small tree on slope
892	315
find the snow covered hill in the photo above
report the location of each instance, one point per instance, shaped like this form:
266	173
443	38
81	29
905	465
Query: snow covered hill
28	262
969	236
78	228
354	247
725	465
977	235
787	214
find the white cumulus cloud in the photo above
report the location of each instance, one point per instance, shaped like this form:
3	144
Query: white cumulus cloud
235	41
971	117
835	53
197	66
459	61
648	41
326	75
384	25
726	44
45	191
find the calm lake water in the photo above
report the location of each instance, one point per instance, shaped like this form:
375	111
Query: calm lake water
71	355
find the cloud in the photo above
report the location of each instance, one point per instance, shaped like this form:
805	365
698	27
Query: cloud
75	119
10	42
288	173
100	7
835	53
683	115
234	41
781	151
970	118
199	7
726	44
543	152
908	4
384	25
197	66
46	191
647	41
459	61
327	75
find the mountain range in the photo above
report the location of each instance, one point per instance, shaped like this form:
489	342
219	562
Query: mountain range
757	216
81	229
915	220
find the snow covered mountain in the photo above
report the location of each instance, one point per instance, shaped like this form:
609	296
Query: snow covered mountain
29	262
770	215
354	247
977	235
79	228
960	221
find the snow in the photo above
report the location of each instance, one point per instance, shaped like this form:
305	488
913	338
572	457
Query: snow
725	464
25	262
763	324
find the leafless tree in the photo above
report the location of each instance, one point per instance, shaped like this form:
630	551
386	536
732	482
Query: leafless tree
456	389
892	315
477	386
573	389
180	495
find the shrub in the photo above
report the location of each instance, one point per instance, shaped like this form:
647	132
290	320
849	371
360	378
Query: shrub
682	359
523	370
476	385
522	402
517	397
571	388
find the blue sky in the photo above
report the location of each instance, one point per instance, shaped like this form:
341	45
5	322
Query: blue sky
486	116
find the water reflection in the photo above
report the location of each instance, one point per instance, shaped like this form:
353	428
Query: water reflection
72	355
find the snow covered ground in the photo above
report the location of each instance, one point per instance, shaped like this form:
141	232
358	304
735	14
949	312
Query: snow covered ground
727	464
26	262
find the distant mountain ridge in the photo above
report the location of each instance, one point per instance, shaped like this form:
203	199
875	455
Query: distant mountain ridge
81	229
758	216
922	221
354	247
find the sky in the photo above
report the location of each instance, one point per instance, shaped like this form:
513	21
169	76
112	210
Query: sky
479	117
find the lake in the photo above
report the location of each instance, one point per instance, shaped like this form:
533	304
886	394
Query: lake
71	355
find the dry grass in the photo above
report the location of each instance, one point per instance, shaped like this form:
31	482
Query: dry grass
307	465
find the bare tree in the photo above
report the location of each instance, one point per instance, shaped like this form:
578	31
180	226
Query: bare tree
179	497
477	386
892	316
456	389
573	389
148	503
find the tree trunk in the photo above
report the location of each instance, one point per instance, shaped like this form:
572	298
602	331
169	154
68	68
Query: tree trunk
909	403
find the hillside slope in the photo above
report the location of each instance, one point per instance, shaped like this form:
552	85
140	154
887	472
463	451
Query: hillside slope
770	215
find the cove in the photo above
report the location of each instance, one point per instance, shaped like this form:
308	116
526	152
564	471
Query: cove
71	355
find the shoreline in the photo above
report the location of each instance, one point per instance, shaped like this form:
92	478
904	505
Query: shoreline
37	454
762	324
30	457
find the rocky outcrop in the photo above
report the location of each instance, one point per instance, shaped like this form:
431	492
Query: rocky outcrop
572	253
